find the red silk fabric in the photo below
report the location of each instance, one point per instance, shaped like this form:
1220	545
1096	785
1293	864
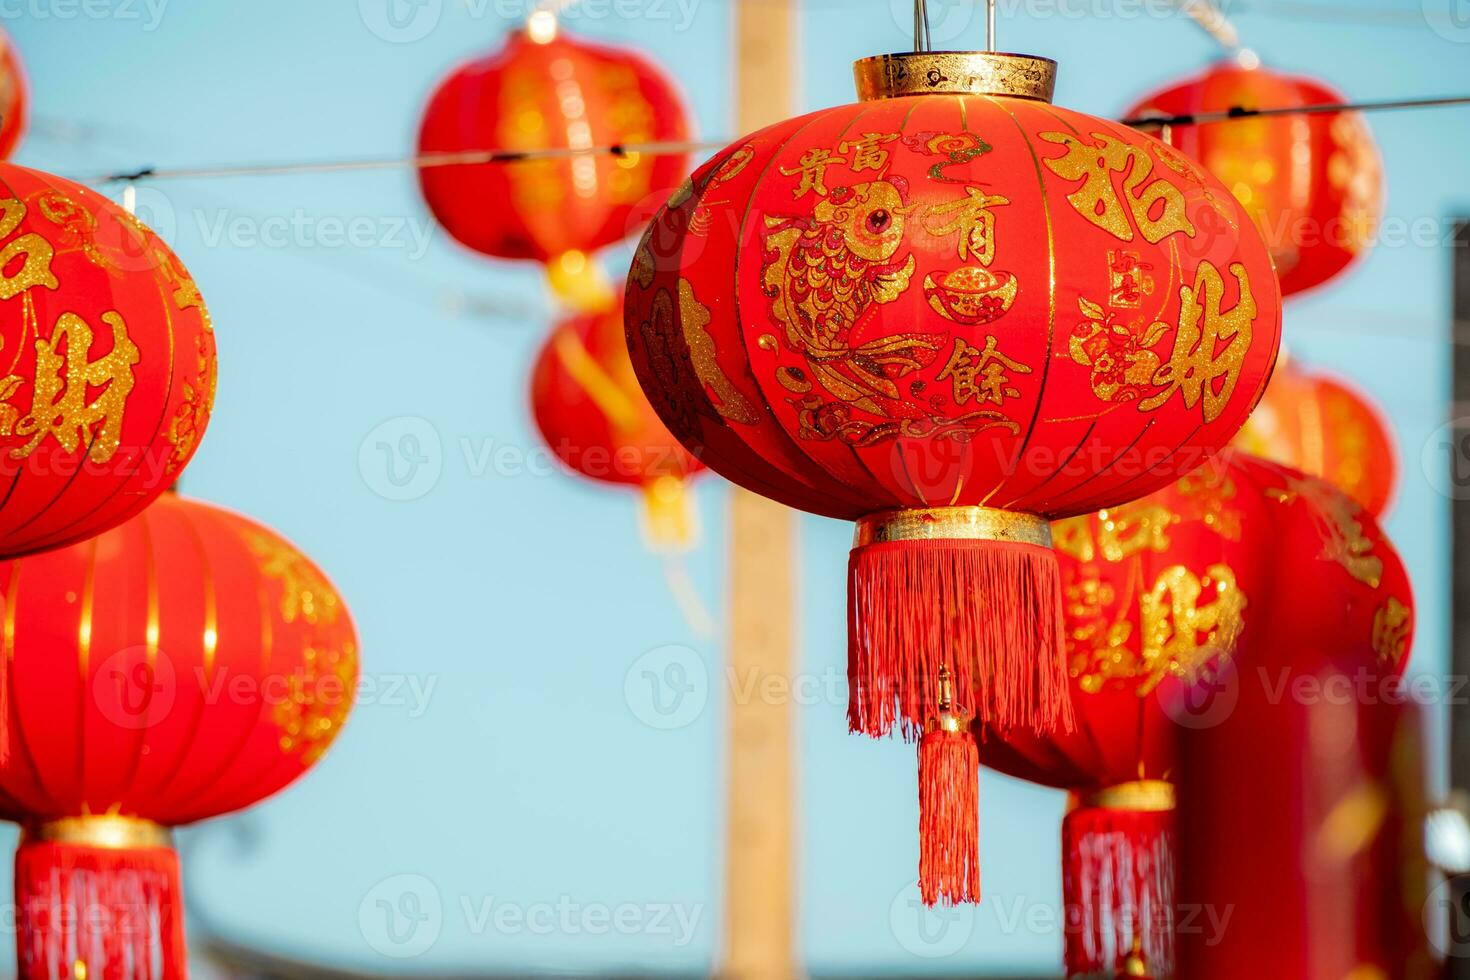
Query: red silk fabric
591	412
107	363
15	97
952	300
1176	603
186	664
564	94
1312	184
1326	427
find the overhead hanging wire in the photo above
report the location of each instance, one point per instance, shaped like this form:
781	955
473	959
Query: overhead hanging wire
1239	112
477	157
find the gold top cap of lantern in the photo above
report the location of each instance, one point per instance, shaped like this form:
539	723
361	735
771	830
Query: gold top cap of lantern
1017	76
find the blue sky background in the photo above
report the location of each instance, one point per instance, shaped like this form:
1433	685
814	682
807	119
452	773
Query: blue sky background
504	756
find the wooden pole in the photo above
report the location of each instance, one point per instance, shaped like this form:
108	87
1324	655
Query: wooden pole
760	913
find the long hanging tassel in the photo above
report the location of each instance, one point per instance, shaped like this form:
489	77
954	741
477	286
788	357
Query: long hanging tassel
1118	887
990	608
949	804
100	902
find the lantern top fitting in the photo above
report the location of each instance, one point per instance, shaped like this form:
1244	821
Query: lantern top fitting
1017	76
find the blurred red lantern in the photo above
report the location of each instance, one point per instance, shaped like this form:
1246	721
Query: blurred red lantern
588	406
546	91
1312	184
1327	428
111	363
1172	603
181	666
14	97
950	317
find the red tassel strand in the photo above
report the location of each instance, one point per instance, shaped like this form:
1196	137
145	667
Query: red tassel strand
1118	886
949	817
115	913
993	610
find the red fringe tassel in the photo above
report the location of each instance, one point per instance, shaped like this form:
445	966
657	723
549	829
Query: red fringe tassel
990	609
949	818
1118	885
116	913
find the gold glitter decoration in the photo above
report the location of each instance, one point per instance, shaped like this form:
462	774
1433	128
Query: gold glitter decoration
38	252
1392	624
190	417
1335	514
1098	201
59	407
305	593
694	319
318	700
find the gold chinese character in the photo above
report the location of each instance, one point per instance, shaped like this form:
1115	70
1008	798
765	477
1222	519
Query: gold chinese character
60	408
36	269
1344	539
1072	536
1198	368
867	152
981	374
1392	624
1131	528
813	170
1097	199
972	218
305	593
1172	619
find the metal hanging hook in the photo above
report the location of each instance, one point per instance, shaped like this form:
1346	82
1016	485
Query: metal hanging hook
990	26
922	40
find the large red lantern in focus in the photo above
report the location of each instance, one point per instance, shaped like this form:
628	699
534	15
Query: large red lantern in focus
184	665
1313	184
950	317
1325	427
592	414
1172	603
14	97
545	90
107	363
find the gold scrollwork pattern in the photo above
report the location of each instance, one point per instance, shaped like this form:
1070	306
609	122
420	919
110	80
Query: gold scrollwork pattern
305	593
1336	515
1187	625
1392	624
318	699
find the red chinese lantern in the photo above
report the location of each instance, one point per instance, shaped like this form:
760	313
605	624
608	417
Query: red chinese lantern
110	364
1172	603
14	97
949	318
1312	184
592	414
1325	427
181	666
546	91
